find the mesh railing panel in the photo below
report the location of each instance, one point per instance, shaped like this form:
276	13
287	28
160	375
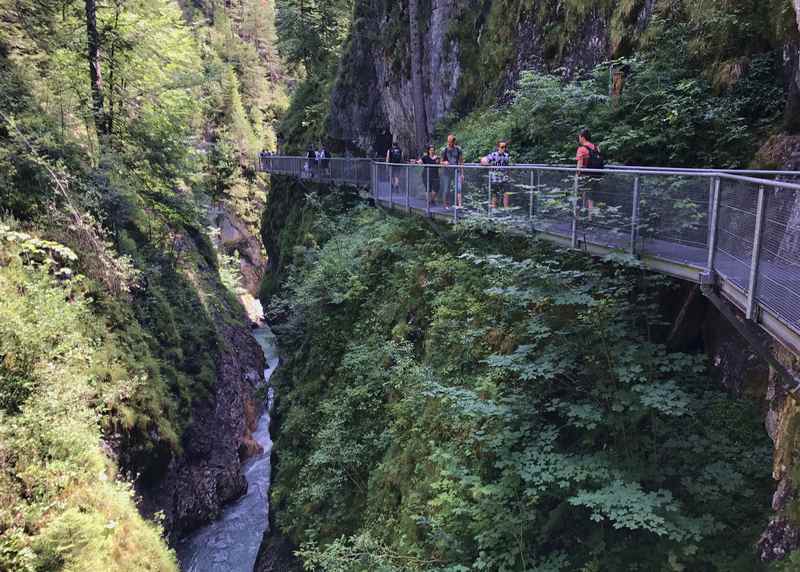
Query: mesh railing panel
382	180
670	221
778	285
735	231
510	201
553	205
335	170
673	217
604	212
474	186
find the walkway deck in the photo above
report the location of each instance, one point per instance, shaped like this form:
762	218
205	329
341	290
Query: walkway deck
736	231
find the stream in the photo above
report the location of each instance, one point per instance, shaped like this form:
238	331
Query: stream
231	543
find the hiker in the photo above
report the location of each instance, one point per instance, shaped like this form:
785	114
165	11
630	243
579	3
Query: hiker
499	179
431	172
324	158
588	156
394	156
311	161
263	159
451	156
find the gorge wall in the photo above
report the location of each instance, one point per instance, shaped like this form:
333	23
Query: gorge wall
473	52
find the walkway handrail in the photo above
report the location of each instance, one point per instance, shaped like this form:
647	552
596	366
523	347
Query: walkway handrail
732	228
759	173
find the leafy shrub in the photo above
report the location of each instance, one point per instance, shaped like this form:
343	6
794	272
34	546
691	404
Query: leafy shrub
503	409
62	507
667	116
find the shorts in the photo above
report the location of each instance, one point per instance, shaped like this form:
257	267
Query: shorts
499	188
589	188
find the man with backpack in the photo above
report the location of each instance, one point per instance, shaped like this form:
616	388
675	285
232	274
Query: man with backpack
589	156
310	166
451	157
394	156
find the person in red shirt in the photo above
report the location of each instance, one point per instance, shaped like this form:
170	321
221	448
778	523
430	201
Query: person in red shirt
586	151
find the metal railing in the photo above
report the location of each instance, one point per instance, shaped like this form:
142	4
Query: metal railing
742	230
353	171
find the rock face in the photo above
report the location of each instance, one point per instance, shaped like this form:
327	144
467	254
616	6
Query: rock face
782	535
372	100
209	473
737	367
276	554
234	238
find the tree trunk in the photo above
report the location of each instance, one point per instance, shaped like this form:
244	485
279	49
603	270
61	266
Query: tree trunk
418	95
112	64
95	76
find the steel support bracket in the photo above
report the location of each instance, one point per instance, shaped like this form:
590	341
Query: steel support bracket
752	334
708	281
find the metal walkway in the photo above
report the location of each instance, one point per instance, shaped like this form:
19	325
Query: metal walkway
736	231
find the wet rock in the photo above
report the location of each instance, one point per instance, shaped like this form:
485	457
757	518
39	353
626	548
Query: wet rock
779	539
235	238
735	366
209	473
277	554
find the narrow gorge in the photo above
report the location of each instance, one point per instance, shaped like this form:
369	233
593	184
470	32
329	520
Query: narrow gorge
205	366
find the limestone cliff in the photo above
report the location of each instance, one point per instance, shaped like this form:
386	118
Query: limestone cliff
473	51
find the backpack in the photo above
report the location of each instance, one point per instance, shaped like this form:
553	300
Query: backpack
596	160
395	155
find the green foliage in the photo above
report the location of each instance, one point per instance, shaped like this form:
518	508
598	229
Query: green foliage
667	115
311	32
61	507
499	410
111	296
311	37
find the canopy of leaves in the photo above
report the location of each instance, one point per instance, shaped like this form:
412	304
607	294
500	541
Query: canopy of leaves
506	409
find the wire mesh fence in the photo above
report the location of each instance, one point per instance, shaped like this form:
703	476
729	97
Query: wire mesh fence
744	229
778	272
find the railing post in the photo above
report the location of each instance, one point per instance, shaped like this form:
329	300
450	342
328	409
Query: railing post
455	194
751	292
390	168
534	174
374	182
574	230
408	188
635	215
489	204
712	226
428	191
